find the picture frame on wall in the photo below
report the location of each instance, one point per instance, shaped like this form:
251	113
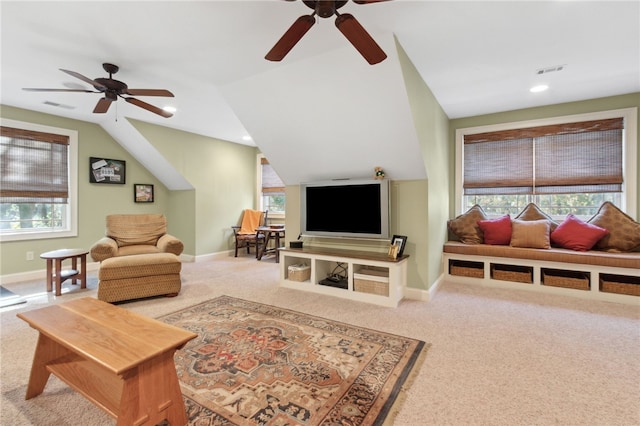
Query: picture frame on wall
107	170
400	241
143	193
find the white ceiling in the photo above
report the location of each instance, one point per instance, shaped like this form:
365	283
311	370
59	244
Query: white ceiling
323	108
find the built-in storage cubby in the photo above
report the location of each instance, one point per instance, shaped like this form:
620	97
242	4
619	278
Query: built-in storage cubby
464	268
578	280
358	275
513	273
610	283
620	284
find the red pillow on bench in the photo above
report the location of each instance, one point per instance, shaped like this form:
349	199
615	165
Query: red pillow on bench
577	235
496	231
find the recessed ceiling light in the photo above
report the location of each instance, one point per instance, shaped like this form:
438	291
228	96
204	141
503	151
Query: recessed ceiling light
246	138
169	109
539	88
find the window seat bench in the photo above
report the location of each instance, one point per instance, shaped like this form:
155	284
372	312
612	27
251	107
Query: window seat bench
592	274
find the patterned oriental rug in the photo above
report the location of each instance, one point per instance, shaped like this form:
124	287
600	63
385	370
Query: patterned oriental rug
255	364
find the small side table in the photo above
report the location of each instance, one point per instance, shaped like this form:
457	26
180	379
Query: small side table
74	273
269	233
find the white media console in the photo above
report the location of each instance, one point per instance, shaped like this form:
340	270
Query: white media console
370	277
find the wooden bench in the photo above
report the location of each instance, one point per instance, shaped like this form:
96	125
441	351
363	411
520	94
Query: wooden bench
593	274
119	360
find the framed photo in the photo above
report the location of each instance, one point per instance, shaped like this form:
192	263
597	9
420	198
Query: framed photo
106	170
400	241
142	193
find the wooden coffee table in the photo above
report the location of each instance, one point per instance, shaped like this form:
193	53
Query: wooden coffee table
74	273
119	360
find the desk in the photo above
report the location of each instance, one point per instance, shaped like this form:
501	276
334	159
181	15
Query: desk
270	232
73	273
117	359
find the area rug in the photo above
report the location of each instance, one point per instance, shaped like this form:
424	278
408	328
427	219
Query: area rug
255	364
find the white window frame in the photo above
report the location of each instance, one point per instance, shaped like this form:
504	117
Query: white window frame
71	220
629	150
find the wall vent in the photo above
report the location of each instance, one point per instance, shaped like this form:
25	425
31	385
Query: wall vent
550	69
55	104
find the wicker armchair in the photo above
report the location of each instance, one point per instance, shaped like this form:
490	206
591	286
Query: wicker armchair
129	234
247	235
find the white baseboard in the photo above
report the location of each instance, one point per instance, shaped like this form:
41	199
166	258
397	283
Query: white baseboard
424	295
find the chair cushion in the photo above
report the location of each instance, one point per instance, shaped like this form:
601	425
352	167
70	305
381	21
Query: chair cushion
139	265
135	229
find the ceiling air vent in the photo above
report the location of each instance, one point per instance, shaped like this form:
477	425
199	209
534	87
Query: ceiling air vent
55	104
550	69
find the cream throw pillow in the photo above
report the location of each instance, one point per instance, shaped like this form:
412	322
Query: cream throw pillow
530	233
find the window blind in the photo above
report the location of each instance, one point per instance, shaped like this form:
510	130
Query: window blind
582	157
33	166
271	182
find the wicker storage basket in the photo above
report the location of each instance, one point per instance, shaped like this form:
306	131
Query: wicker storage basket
567	279
299	272
621	284
464	268
373	281
513	273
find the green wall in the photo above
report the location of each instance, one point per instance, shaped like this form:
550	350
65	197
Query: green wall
95	201
222	173
582	107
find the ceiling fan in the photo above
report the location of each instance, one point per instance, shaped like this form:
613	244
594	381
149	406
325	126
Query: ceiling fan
346	23
113	89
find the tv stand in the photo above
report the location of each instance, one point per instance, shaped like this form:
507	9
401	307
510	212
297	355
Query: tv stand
371	277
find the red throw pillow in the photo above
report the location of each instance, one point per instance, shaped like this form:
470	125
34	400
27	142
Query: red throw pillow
496	231
577	235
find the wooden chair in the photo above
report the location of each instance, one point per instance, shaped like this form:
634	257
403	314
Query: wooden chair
247	234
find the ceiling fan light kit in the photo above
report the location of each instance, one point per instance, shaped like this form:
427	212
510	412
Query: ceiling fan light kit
346	23
112	89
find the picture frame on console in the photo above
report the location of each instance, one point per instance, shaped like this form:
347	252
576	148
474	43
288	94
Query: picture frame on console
399	241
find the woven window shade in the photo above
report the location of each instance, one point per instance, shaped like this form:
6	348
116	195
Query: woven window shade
502	167
271	182
33	167
564	158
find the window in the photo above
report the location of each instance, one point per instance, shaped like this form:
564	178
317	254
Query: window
272	196
564	165
38	175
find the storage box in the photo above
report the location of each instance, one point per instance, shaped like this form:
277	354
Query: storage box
299	272
567	279
463	268
513	273
621	284
372	281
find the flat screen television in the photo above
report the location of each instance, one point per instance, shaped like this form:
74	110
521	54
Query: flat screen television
345	208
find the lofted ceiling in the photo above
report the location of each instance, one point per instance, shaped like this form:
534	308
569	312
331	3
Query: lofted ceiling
322	112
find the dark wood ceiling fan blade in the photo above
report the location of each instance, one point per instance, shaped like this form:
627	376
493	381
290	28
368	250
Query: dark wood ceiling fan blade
85	79
58	90
290	38
149	92
360	38
102	106
149	107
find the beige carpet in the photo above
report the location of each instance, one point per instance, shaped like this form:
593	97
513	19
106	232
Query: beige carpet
498	357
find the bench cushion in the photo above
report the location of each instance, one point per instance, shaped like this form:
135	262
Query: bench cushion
593	257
